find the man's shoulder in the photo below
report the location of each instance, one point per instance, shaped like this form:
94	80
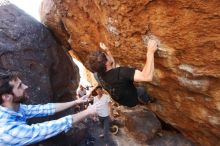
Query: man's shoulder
105	96
2	109
122	68
119	69
95	97
113	71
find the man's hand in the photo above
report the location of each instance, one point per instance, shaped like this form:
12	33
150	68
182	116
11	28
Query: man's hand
146	75
103	46
89	94
82	99
95	118
152	46
108	54
93	109
91	90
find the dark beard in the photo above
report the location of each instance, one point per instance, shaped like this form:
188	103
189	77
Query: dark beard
21	99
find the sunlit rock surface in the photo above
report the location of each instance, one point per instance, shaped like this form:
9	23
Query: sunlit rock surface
187	77
28	47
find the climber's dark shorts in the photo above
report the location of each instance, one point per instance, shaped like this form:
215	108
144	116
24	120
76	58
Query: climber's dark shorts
143	97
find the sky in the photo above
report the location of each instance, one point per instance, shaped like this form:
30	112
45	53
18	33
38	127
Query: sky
29	6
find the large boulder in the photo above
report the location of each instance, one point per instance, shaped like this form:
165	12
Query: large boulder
28	47
170	140
139	126
187	76
139	123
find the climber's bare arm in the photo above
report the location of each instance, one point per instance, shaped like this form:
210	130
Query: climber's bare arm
146	75
108	53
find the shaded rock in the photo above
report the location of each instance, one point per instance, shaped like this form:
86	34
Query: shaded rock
186	81
28	47
72	138
170	140
140	124
140	127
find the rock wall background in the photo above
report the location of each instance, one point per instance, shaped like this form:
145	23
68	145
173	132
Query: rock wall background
187	76
28	47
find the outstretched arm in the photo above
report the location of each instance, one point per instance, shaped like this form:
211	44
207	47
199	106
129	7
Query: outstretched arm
49	109
146	75
108	53
63	106
91	110
22	134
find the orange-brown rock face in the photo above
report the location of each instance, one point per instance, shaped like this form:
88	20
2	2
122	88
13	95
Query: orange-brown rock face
187	76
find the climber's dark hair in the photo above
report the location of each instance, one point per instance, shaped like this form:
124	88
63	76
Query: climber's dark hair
98	87
96	62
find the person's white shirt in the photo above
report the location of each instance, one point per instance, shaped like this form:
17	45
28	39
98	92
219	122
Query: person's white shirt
104	102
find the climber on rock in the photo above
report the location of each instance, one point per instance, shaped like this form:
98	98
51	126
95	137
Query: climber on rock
118	81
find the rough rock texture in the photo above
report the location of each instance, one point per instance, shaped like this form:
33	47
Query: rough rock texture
140	127
187	76
137	127
170	140
140	124
28	47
